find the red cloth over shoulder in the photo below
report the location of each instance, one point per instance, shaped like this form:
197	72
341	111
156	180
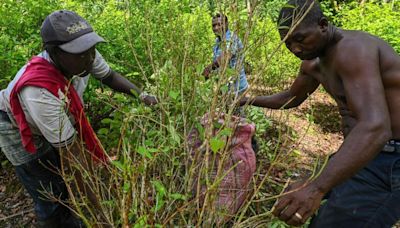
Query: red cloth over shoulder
40	73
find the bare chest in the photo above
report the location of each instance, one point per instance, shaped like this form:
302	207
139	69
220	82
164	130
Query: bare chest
332	83
334	86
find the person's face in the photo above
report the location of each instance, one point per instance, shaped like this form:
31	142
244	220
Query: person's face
306	41
218	26
76	64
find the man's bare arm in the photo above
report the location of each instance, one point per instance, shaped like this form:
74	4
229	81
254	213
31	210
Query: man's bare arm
119	83
301	88
360	72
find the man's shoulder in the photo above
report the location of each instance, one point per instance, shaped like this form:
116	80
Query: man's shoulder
356	39
36	94
354	46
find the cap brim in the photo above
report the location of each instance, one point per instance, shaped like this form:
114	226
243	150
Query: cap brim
82	43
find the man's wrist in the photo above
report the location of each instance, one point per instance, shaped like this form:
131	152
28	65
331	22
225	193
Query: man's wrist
320	186
143	95
243	101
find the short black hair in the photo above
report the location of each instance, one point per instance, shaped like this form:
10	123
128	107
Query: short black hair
222	16
295	9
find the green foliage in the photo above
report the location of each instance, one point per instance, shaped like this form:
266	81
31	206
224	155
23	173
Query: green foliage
164	45
269	57
271	8
380	20
19	33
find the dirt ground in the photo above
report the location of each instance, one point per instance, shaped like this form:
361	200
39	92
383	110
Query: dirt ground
315	124
16	207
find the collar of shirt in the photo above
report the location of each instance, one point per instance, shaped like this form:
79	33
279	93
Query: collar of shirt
227	37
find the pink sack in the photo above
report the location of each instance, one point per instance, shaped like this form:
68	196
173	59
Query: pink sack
234	187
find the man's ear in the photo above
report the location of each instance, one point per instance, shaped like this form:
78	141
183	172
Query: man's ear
50	50
323	24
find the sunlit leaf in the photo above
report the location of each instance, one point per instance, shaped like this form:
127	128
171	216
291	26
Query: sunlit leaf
173	94
216	144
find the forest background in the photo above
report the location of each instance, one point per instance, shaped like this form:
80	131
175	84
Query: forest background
164	45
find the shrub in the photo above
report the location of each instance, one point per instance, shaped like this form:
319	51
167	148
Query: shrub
378	19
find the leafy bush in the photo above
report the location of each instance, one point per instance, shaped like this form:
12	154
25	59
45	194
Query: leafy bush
270	58
164	45
19	33
378	19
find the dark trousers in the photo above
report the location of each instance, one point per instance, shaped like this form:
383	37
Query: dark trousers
39	174
46	187
371	198
39	177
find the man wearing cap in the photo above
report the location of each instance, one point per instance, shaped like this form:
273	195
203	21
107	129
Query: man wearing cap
41	111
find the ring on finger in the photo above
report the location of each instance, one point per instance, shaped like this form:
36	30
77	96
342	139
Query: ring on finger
297	215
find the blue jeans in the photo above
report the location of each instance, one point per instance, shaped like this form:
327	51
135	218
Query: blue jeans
371	198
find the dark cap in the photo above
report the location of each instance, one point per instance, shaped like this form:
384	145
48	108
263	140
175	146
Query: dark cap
69	31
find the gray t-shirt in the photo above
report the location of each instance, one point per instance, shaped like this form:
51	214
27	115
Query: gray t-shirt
45	112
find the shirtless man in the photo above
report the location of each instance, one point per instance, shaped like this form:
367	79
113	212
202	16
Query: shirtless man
362	73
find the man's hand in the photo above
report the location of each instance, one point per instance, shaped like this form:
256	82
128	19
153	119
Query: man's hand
243	101
296	207
207	71
148	99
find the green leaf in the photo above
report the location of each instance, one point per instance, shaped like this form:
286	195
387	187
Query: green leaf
133	74
144	152
159	187
225	132
217	125
200	128
216	144
177	196
310	118
166	149
141	222
152	150
274	225
174	135
149	142
103	131
118	164
106	121
231	72
173	94
199	69
126	187
296	152
224	89
159	203
161	191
